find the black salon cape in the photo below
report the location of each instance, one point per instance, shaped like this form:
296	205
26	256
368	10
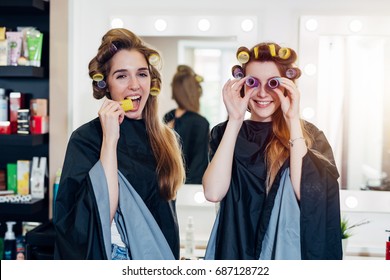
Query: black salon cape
194	132
245	210
76	219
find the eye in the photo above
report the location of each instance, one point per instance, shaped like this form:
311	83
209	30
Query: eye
120	76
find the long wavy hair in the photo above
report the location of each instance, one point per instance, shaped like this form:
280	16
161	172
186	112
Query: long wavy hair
186	88
164	143
277	150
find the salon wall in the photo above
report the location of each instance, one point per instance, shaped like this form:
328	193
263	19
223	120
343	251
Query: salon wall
277	21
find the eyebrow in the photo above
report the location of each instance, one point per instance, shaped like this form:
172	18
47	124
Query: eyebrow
125	70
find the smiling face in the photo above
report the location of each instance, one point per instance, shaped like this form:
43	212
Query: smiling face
129	78
265	102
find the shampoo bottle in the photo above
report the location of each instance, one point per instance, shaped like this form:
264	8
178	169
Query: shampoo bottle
190	242
9	243
388	246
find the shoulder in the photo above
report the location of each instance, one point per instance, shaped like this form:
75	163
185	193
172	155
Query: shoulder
169	116
88	132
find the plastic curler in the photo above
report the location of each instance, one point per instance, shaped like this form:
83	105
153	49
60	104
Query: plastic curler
199	79
272	50
154	87
291	73
98	77
154	59
252	82
273	83
242	55
127	105
237	72
284	53
101	84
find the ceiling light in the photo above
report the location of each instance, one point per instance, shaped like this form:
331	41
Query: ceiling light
160	24
117	23
247	25
204	24
311	24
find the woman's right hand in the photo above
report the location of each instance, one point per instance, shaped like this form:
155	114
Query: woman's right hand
111	115
236	105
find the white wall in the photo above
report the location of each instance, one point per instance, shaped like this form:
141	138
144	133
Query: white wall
277	21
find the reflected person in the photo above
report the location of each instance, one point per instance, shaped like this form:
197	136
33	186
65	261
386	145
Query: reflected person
193	128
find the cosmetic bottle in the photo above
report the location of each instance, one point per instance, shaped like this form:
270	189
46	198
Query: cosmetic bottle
55	189
388	246
190	242
9	243
3	105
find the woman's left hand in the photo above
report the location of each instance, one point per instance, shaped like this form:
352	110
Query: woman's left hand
290	101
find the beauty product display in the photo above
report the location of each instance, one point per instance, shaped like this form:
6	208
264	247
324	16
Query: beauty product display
21	47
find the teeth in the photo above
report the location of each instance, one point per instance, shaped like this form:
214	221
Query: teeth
263	102
134	97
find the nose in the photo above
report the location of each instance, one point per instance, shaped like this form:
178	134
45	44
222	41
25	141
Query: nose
260	91
133	84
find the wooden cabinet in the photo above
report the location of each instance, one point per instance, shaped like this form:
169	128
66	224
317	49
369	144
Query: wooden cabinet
35	82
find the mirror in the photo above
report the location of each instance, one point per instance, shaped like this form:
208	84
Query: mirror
345	92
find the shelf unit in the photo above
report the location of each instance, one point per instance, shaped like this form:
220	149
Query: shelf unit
35	82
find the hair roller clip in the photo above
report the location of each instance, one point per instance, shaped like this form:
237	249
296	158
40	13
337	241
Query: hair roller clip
272	50
252	82
198	78
242	55
291	73
98	77
113	48
256	52
101	84
154	87
237	72
154	59
273	83
284	53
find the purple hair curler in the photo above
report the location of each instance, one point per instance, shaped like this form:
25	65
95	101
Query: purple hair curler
273	83
237	72
252	82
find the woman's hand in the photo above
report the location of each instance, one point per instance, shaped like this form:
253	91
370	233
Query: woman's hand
290	102
236	105
111	115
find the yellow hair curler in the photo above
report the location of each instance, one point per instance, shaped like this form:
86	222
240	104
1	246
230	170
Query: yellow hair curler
272	50
242	55
284	53
127	105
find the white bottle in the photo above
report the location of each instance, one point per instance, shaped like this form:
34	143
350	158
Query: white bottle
190	240
3	106
9	243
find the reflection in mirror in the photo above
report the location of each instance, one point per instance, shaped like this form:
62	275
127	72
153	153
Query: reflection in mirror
345	62
213	60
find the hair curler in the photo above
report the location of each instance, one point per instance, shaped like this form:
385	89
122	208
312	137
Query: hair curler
252	82
237	72
127	105
273	83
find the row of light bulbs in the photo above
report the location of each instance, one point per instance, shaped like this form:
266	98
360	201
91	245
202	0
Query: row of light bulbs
204	24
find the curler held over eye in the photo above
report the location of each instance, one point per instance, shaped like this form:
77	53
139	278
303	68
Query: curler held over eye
252	82
273	83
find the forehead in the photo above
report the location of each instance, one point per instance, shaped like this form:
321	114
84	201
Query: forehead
258	68
128	59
